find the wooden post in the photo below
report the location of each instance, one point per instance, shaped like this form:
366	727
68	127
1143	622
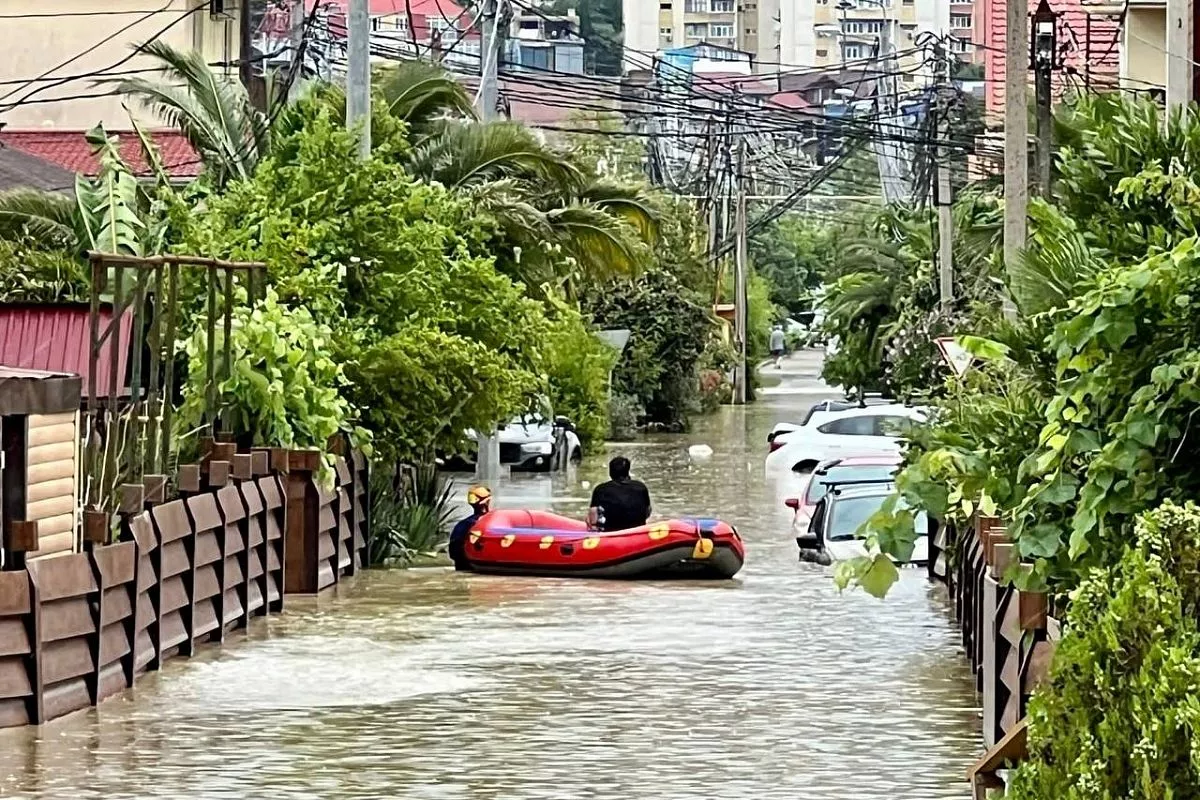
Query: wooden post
302	536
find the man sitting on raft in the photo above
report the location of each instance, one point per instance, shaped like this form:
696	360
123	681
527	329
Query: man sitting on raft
479	498
621	503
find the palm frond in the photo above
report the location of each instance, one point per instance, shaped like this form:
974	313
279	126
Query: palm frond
1056	260
629	203
422	94
214	113
469	154
47	217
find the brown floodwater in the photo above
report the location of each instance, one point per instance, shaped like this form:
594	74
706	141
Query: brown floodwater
430	684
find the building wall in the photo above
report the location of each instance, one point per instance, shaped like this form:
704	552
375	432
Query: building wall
1143	47
32	45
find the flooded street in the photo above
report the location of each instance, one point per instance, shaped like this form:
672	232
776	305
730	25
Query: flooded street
430	684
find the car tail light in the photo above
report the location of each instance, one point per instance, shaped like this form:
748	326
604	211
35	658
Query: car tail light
775	445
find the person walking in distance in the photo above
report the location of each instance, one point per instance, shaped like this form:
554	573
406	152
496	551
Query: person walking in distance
620	503
776	345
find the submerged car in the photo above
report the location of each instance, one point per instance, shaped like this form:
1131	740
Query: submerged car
873	429
816	414
815	485
833	532
530	442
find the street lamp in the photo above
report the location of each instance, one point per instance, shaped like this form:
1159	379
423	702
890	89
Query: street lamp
1043	46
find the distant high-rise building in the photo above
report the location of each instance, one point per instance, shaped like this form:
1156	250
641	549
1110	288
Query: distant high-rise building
783	35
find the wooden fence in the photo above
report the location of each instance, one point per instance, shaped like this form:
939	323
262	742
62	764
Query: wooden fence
1007	634
77	628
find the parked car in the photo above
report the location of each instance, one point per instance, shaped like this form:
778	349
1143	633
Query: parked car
530	442
816	414
856	431
815	485
833	531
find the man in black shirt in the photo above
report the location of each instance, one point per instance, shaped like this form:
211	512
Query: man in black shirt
621	503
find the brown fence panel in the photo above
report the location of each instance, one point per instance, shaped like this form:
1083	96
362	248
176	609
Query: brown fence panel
116	574
206	589
64	596
254	593
146	622
275	523
232	570
18	661
327	535
361	502
175	569
347	553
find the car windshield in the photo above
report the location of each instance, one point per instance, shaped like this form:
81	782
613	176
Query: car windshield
856	472
849	514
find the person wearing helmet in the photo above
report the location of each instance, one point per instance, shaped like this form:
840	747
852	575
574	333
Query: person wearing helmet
479	498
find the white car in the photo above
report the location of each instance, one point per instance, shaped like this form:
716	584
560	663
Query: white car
840	515
857	431
817	414
529	442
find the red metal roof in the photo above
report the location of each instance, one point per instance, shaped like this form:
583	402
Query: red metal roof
55	338
70	150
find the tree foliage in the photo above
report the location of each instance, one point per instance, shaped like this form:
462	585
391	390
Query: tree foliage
1120	717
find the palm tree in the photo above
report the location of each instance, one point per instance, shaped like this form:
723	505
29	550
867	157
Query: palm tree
228	133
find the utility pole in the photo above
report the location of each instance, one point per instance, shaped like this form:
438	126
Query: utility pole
246	47
944	198
1016	135
740	278
358	75
1045	57
1179	53
488	98
297	31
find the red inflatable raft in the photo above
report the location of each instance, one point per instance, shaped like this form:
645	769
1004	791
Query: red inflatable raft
540	543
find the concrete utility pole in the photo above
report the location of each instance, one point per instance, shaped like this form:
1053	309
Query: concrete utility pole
1179	53
487	101
297	30
1016	135
358	75
945	199
740	278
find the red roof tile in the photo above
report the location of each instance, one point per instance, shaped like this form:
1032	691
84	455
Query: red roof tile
70	150
55	338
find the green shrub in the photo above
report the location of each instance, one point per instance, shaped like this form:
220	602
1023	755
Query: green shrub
29	273
410	521
578	366
624	411
284	386
1120	716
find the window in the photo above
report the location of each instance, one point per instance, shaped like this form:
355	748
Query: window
720	30
957	45
960	20
822	53
817	487
442	28
889	425
850	426
695	30
664	6
695	6
853	51
665	33
863	26
722	6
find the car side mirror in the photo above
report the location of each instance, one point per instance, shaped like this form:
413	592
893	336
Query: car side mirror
793	503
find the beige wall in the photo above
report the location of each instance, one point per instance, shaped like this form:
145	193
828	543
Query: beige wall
33	45
51	473
1143	62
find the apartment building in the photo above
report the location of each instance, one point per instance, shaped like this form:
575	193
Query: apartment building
779	34
97	38
847	33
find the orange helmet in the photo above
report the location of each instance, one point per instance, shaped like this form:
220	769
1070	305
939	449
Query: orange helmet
478	495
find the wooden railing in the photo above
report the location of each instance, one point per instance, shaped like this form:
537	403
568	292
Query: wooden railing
1007	634
78	628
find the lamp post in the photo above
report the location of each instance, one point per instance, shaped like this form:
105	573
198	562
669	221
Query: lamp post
1043	51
